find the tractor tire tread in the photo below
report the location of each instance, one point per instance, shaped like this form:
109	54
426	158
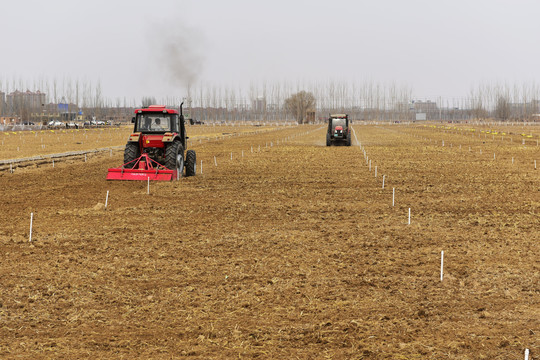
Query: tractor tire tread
170	155
131	152
191	163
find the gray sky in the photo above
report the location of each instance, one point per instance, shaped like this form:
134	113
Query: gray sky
153	48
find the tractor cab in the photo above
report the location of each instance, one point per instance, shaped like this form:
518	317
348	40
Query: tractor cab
158	118
155	122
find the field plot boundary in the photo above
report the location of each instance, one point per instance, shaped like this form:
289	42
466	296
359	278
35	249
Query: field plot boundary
56	156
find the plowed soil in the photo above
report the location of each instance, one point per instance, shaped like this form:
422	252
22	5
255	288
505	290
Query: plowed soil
285	249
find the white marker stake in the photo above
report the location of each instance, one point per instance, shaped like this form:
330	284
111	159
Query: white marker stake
148	186
215	161
252	149
53	163
31	223
383	181
242	153
110	152
84	157
231	156
493	156
375	171
409	216
201	167
11	168
512	160
369	165
526	354
534	164
393	196
442	264
106	199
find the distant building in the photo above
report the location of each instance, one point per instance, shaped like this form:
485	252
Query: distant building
23	104
2	102
428	109
28	99
427	106
259	104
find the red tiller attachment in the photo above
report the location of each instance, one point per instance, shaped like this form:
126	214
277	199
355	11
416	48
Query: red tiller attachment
143	169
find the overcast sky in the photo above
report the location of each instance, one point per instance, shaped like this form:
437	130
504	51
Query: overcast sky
141	48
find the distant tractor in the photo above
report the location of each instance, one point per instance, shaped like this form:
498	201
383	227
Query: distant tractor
155	149
339	131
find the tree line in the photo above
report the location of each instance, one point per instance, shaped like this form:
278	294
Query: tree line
287	101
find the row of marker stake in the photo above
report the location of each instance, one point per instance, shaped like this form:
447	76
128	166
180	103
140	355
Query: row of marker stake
11	170
523	142
267	144
409	222
442	143
368	161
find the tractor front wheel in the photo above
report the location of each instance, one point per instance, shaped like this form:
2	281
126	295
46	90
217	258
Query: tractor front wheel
131	152
174	157
191	163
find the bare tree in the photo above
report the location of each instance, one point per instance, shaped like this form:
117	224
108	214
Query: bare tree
502	108
299	103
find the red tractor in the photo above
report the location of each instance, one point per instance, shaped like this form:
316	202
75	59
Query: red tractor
338	130
155	149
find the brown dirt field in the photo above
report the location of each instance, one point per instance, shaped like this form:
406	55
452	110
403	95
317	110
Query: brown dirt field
291	251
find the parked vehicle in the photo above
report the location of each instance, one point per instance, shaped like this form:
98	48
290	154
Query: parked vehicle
55	123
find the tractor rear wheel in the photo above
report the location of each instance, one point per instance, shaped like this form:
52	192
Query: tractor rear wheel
131	152
328	143
174	157
191	163
349	140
